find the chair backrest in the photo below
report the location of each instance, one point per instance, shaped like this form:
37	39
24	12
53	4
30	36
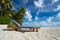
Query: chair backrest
17	23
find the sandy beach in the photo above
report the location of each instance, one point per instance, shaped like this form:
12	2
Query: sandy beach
50	33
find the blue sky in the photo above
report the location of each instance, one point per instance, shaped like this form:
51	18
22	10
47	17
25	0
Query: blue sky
43	13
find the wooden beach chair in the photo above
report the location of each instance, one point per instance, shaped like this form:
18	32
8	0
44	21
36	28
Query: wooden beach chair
18	27
13	28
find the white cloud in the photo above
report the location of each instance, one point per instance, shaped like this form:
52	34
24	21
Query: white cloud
39	3
43	23
30	24
49	19
25	1
58	15
36	18
49	22
58	8
28	15
54	1
38	12
43	7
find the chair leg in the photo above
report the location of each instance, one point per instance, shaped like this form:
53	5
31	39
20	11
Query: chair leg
33	29
36	29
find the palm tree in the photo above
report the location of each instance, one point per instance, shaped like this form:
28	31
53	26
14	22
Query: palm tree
6	6
6	9
18	18
20	15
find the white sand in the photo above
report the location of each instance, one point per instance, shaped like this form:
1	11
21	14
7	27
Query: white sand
43	34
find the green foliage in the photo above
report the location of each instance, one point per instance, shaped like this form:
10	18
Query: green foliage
7	14
5	19
6	11
5	5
